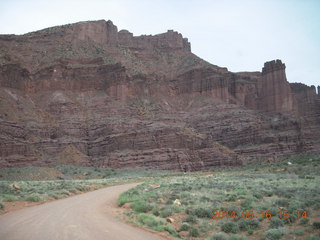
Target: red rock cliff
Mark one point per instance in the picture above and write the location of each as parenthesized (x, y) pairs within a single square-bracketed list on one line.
[(274, 91), (87, 94)]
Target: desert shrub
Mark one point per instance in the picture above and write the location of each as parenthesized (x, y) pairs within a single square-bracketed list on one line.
[(304, 221), (205, 199), (276, 222), (176, 209), (141, 206), (247, 224), (230, 227), (273, 234), (156, 223), (298, 232), (258, 195), (127, 197), (82, 188), (231, 197), (184, 227), (155, 212), (246, 204), (316, 225), (33, 198), (241, 192), (172, 232), (231, 209), (1, 205), (293, 217), (194, 232), (191, 219), (9, 198), (250, 231), (274, 211), (150, 220), (236, 237), (219, 236), (166, 212), (268, 193), (72, 190), (313, 238), (6, 188), (311, 202), (151, 195), (64, 192), (200, 212), (282, 202)]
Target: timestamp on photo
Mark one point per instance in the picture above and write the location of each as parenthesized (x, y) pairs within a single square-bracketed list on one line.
[(282, 214)]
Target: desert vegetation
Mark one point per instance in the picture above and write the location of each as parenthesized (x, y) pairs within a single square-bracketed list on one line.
[(40, 184), (271, 201), (266, 201)]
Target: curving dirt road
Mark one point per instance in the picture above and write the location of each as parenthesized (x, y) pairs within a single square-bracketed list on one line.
[(86, 216)]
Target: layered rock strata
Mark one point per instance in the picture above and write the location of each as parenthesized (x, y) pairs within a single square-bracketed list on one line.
[(88, 94)]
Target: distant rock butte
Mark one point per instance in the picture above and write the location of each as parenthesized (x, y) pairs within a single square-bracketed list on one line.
[(88, 94)]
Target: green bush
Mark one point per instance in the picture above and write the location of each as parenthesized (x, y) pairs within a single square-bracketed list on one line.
[(126, 198), (230, 227), (141, 206), (246, 204), (155, 212), (258, 195), (172, 232), (219, 236), (166, 213), (150, 220), (34, 198), (273, 234), (184, 227), (156, 223), (282, 202), (298, 232), (191, 219), (313, 238), (1, 205), (194, 232), (231, 209), (276, 222), (236, 237), (293, 217), (200, 212), (231, 197), (6, 188), (83, 188), (9, 198), (247, 224), (304, 221)]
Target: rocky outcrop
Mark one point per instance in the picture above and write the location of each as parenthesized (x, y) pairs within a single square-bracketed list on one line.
[(168, 41), (106, 33), (88, 94), (274, 91)]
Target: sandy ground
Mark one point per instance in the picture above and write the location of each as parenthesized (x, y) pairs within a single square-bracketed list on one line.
[(86, 216)]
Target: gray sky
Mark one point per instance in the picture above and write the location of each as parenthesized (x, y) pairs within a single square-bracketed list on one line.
[(238, 34)]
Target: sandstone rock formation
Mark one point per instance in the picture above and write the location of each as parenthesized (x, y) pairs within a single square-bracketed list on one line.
[(89, 94), (274, 90)]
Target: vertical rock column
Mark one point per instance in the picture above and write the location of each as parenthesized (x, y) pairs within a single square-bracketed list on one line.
[(274, 91)]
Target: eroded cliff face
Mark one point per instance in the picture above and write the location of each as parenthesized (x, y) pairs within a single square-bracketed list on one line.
[(273, 89), (87, 94)]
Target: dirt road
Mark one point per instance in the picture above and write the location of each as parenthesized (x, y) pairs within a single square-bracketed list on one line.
[(87, 216)]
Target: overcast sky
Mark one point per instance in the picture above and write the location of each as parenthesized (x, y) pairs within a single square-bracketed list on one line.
[(238, 34)]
